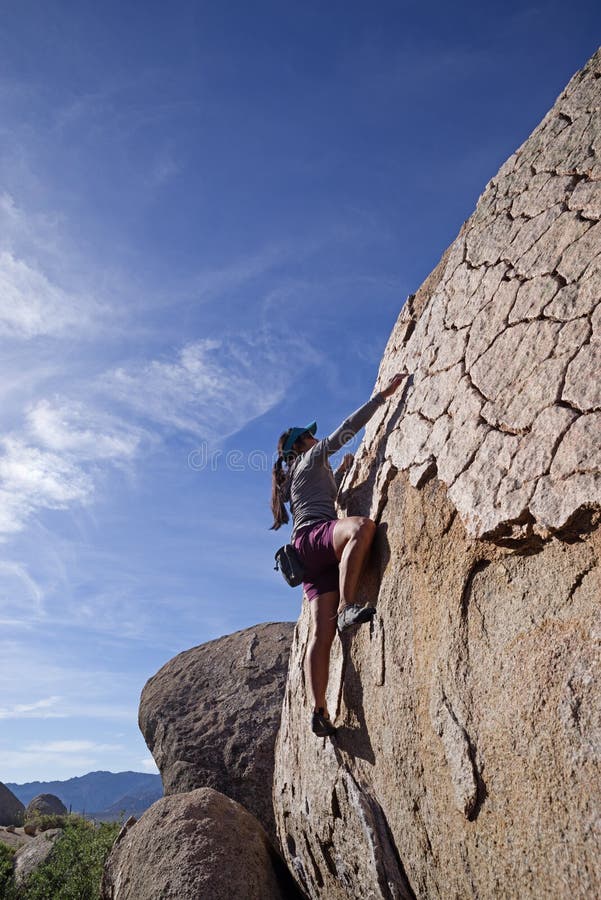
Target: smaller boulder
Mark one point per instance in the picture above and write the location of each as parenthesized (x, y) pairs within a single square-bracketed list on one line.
[(210, 716), (196, 846), (14, 838), (33, 854), (45, 805)]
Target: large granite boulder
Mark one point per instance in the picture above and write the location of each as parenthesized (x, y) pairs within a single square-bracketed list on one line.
[(210, 716), (196, 846), (11, 808), (467, 761), (45, 805)]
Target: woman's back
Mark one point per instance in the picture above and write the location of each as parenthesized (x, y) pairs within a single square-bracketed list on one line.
[(313, 491)]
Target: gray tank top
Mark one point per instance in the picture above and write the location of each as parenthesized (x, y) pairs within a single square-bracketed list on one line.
[(312, 487)]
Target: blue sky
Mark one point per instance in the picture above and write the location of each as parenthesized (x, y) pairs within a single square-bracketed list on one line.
[(210, 216)]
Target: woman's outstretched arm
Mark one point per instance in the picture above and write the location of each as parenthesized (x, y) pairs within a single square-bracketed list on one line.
[(353, 423)]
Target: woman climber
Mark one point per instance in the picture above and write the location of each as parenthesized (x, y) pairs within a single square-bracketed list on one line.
[(332, 550)]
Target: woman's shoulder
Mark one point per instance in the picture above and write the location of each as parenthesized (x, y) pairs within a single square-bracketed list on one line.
[(307, 468)]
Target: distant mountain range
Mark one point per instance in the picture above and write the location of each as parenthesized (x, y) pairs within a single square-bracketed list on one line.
[(98, 795)]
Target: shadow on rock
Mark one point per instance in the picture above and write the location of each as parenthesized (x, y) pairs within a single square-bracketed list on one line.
[(353, 739)]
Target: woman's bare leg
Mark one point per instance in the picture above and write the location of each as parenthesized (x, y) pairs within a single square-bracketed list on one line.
[(323, 616), (352, 539)]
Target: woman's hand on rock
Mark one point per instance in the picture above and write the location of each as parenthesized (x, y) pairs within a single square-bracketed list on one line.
[(396, 381)]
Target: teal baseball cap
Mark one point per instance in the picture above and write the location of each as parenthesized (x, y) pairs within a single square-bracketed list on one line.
[(295, 433)]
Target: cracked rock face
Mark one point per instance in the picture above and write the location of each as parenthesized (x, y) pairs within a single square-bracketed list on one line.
[(468, 754), (506, 350), (211, 714)]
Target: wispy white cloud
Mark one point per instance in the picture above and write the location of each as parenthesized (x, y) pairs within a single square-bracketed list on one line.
[(272, 258), (55, 456), (61, 759), (14, 511), (95, 710), (39, 477), (45, 280), (32, 765), (52, 462), (33, 479), (209, 283), (73, 691), (31, 305), (213, 387), (38, 709), (66, 425), (28, 593), (70, 746), (33, 234), (22, 377)]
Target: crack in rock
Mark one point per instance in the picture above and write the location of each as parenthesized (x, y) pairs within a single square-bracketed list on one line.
[(504, 349), (459, 754)]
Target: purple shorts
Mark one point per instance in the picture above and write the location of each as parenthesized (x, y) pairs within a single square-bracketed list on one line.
[(315, 546)]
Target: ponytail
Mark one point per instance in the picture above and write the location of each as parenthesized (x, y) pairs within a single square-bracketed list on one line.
[(279, 483)]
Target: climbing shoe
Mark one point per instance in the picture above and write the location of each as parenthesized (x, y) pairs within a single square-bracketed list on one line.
[(355, 615), (320, 724)]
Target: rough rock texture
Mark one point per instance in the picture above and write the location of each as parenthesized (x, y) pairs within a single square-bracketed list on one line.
[(210, 716), (45, 805), (33, 854), (506, 343), (11, 808), (469, 745), (196, 846), (13, 837)]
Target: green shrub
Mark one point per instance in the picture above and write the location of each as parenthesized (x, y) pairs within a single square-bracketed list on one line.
[(44, 822), (73, 870), (6, 869)]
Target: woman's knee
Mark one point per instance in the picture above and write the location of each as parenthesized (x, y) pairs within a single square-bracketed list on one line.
[(362, 523), (366, 528), (351, 528)]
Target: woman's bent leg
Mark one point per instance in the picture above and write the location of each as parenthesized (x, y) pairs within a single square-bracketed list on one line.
[(323, 616), (352, 539)]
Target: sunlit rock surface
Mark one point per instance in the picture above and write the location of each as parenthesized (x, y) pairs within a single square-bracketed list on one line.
[(468, 752), (506, 344)]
